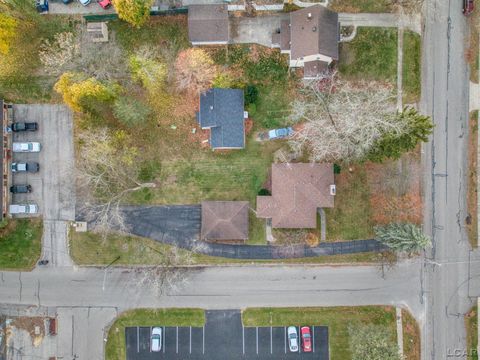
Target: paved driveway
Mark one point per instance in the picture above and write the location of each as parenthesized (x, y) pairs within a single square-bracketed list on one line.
[(54, 185), (222, 337), (258, 29)]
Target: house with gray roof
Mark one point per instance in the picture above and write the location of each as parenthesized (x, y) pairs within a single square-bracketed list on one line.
[(208, 24), (310, 36), (222, 112)]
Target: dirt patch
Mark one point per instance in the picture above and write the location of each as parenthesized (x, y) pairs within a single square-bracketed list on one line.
[(395, 190), (471, 220), (35, 326)]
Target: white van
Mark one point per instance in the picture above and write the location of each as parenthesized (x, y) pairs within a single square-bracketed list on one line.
[(23, 209)]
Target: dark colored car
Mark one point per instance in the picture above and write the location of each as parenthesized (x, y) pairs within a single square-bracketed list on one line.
[(24, 126), (21, 167), (67, 1), (467, 7), (306, 337), (105, 3), (42, 6), (20, 189)]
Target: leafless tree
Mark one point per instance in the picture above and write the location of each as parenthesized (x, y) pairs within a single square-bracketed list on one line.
[(341, 120), (171, 273), (107, 171)]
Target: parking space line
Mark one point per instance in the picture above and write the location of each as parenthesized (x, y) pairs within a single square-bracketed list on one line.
[(271, 341), (243, 339), (313, 338), (299, 340), (285, 338), (164, 339), (138, 339), (177, 339), (190, 339), (257, 338), (203, 334)]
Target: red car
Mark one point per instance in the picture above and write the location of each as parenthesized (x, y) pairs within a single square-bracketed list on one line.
[(306, 337), (467, 7), (105, 3)]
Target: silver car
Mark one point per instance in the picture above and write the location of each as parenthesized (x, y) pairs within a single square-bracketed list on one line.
[(26, 147), (84, 2), (156, 339), (292, 338), (23, 209)]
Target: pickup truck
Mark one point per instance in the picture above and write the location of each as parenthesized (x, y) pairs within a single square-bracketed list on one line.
[(21, 167), (24, 126), (26, 147), (20, 189)]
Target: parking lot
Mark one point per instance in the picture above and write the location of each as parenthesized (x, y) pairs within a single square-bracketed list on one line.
[(53, 187), (223, 337)]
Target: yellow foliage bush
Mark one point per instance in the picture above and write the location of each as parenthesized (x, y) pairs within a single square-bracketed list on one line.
[(8, 30), (76, 90), (135, 12)]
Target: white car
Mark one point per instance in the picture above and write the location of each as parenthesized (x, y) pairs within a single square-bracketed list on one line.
[(292, 338), (26, 147), (84, 2), (156, 339), (23, 209)]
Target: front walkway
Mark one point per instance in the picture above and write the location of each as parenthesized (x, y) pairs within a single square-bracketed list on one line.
[(381, 20), (180, 226)]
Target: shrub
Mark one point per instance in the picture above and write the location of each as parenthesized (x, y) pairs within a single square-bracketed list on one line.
[(135, 12), (130, 112), (264, 192), (337, 169), (251, 95)]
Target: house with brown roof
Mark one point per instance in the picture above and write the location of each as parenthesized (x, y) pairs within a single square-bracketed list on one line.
[(208, 24), (298, 190), (310, 36), (224, 220)]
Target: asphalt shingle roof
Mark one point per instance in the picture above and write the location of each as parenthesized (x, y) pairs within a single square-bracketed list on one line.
[(225, 220), (222, 111), (208, 23)]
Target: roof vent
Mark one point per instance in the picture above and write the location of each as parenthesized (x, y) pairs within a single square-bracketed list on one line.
[(314, 28), (309, 16)]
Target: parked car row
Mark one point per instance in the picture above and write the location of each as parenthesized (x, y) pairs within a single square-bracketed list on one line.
[(17, 167), (305, 338)]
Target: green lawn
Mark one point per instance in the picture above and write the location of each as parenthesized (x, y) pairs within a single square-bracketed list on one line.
[(257, 230), (89, 249), (411, 67), (367, 6), (337, 319), (20, 244), (371, 55), (115, 347), (471, 324), (350, 218)]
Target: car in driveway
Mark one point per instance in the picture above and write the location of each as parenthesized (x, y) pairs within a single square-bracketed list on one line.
[(105, 4), (306, 338), (468, 7), (26, 147), (20, 189), (84, 2), (280, 133), (24, 126), (292, 338), (156, 339), (29, 167), (41, 6), (23, 209)]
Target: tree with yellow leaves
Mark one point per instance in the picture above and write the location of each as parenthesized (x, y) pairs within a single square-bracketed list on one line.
[(8, 31), (81, 93), (195, 70), (135, 12)]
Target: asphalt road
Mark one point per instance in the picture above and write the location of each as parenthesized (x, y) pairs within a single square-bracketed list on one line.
[(449, 287)]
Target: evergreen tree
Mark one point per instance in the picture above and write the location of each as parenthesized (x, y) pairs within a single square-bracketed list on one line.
[(402, 237), (417, 128)]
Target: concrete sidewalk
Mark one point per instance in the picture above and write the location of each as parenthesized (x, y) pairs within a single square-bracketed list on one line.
[(412, 23)]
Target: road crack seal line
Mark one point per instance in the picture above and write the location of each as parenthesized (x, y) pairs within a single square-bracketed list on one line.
[(21, 286)]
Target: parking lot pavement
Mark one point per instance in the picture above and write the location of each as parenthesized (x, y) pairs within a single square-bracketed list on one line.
[(53, 187), (222, 337)]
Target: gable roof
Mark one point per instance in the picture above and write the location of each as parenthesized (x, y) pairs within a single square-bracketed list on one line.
[(225, 220), (221, 111), (314, 30), (312, 69), (297, 191), (208, 23)]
